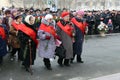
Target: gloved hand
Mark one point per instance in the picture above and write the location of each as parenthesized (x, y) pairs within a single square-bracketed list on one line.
[(48, 37), (57, 37)]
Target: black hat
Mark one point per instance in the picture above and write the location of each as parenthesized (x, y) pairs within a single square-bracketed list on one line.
[(18, 16)]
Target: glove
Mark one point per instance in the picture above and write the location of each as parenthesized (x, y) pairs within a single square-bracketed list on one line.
[(48, 37), (57, 37)]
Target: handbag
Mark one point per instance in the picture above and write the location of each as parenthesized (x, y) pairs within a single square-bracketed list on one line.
[(60, 51)]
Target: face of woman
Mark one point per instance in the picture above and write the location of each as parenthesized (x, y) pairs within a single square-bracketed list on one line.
[(32, 20), (67, 18), (50, 20), (15, 13), (19, 20)]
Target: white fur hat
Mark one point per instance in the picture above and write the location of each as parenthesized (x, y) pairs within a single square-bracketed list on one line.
[(27, 18), (48, 16)]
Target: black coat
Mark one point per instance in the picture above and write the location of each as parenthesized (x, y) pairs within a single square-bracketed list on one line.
[(25, 48), (79, 38)]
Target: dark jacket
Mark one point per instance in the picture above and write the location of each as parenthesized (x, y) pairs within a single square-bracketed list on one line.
[(25, 47)]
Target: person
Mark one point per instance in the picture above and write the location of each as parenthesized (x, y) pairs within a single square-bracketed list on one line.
[(47, 36), (66, 32), (80, 27), (14, 37), (7, 21), (3, 46), (28, 42), (110, 26), (91, 22)]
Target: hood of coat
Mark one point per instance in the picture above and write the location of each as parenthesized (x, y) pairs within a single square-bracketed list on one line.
[(44, 21)]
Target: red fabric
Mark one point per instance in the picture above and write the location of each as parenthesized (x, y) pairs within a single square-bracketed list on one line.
[(48, 37), (80, 25), (67, 29), (31, 33), (64, 14), (15, 25), (48, 29), (2, 33)]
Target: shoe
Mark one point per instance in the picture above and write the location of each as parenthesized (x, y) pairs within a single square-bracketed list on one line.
[(60, 64), (80, 61), (71, 61), (49, 68), (67, 65)]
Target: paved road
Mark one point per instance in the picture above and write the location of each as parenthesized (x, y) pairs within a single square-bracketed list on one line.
[(101, 56)]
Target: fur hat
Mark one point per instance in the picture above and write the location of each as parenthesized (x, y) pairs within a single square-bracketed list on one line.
[(48, 16)]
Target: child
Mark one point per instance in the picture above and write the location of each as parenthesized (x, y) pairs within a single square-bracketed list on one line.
[(110, 26)]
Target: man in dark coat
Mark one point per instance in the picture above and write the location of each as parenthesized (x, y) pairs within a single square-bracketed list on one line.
[(91, 21)]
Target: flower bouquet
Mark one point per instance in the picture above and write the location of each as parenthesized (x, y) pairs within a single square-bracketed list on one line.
[(102, 28)]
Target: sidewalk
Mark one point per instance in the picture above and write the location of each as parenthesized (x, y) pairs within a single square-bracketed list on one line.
[(109, 77)]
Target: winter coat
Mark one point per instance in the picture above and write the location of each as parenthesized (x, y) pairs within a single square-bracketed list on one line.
[(3, 46), (26, 47), (66, 41), (46, 48), (79, 38), (14, 41)]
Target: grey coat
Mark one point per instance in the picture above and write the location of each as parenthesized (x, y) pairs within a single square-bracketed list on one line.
[(67, 43), (46, 48)]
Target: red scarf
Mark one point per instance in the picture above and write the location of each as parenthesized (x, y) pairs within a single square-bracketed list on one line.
[(48, 29), (80, 25), (15, 25), (67, 29), (28, 31), (2, 33)]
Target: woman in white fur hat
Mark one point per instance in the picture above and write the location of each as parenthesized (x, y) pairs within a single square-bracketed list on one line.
[(27, 36)]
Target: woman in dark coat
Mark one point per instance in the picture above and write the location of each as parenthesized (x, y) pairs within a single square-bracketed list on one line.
[(80, 28), (27, 36), (3, 47)]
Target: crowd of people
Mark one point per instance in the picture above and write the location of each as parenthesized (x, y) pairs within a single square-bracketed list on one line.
[(59, 33)]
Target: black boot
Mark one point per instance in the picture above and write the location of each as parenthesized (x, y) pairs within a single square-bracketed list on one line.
[(66, 62), (47, 63), (71, 61), (1, 59), (79, 59), (60, 62)]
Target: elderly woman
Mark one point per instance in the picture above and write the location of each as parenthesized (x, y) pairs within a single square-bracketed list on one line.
[(15, 43), (66, 32), (27, 36), (81, 29), (47, 36)]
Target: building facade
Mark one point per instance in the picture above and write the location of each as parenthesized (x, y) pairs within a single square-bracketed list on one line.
[(70, 4)]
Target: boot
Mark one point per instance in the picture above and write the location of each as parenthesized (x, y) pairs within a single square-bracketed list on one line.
[(1, 59), (47, 63), (79, 59), (71, 61), (66, 62), (60, 62)]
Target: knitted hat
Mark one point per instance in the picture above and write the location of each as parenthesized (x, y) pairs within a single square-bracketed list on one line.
[(13, 10), (64, 14), (80, 12)]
